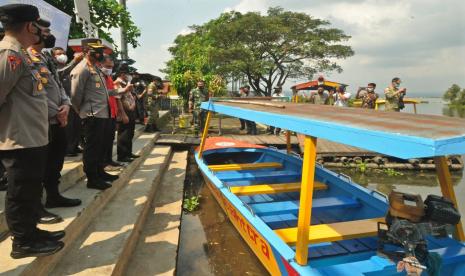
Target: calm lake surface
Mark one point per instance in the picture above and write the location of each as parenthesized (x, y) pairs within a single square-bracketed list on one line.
[(211, 246)]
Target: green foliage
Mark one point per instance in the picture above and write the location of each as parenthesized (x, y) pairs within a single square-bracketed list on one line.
[(105, 14), (392, 172), (190, 204), (362, 167), (266, 50), (455, 95)]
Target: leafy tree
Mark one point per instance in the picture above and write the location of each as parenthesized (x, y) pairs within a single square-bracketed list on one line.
[(105, 14), (454, 95), (265, 49), (191, 63)]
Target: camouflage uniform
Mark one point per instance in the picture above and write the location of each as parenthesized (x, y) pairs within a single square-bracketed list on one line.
[(322, 99), (369, 100), (152, 104), (196, 97), (392, 100)]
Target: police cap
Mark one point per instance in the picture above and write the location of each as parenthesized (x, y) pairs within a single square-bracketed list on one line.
[(43, 23), (18, 13), (94, 43)]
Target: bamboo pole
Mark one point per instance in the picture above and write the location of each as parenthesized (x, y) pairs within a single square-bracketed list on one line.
[(288, 141), (306, 197), (205, 133)]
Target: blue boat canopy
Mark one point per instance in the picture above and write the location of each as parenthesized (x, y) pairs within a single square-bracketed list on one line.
[(401, 135)]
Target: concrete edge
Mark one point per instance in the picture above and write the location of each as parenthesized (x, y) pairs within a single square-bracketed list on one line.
[(44, 265), (131, 242)]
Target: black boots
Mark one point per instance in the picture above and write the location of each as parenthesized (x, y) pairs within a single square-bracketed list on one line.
[(43, 243), (45, 217), (61, 201), (98, 184)]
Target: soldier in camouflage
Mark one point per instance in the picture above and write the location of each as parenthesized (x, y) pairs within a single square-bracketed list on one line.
[(152, 103), (196, 97), (394, 96)]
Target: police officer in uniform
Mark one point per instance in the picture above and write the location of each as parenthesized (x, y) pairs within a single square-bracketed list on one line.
[(196, 97), (152, 102), (90, 99), (58, 109), (23, 132)]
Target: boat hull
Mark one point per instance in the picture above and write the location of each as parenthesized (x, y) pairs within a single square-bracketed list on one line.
[(277, 256)]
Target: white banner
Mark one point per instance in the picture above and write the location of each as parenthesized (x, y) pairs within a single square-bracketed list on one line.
[(60, 21)]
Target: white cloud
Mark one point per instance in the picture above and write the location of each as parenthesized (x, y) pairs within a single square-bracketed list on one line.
[(250, 6)]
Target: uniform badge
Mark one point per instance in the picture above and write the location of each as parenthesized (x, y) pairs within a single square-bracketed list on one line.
[(14, 62), (44, 80), (40, 86), (44, 70), (98, 85)]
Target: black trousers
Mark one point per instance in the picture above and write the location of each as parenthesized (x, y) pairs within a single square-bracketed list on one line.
[(110, 137), (125, 136), (94, 149), (251, 127), (73, 131), (55, 159), (242, 123), (25, 168)]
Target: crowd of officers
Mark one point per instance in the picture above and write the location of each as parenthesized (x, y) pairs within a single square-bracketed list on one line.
[(47, 106)]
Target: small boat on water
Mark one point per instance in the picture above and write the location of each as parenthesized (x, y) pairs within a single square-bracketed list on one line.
[(300, 218)]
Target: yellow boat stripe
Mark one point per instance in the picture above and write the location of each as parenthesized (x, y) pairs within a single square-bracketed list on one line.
[(334, 231), (273, 188), (245, 166)]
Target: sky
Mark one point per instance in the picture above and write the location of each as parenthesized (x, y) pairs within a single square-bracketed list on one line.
[(420, 41)]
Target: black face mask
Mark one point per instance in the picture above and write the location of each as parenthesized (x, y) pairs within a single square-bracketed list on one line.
[(49, 41)]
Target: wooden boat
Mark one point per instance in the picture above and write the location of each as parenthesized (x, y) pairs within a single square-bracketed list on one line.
[(302, 219)]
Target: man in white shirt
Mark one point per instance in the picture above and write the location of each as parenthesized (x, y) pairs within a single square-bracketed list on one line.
[(341, 97)]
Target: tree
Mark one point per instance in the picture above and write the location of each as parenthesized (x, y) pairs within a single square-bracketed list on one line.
[(191, 63), (105, 14), (453, 94), (266, 49)]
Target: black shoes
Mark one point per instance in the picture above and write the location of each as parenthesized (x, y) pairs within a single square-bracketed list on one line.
[(45, 217), (108, 177), (61, 201), (71, 154), (114, 164), (50, 235), (125, 160), (35, 248), (98, 184)]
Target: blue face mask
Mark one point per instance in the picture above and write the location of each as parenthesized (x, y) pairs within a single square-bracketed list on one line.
[(397, 85)]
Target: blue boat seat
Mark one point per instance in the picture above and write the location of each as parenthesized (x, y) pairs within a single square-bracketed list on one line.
[(262, 176), (319, 204)]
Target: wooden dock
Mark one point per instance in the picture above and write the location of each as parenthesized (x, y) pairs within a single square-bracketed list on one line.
[(325, 147)]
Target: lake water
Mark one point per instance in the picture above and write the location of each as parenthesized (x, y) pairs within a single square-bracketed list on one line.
[(210, 245)]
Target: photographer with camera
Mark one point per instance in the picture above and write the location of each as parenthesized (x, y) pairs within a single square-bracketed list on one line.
[(395, 96), (341, 97), (368, 96)]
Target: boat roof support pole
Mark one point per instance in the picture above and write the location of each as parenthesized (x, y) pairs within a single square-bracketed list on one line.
[(306, 197), (205, 133), (447, 189), (288, 141)]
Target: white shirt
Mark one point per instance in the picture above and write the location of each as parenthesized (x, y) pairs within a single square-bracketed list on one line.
[(341, 102)]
